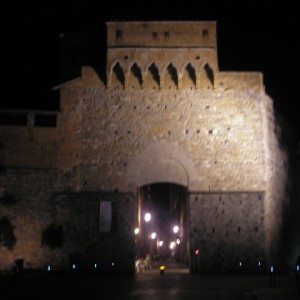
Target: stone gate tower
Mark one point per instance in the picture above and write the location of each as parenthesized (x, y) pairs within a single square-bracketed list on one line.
[(163, 113)]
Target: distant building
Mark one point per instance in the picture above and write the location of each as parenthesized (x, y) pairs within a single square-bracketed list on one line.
[(164, 113)]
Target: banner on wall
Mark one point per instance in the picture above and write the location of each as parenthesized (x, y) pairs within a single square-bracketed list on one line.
[(105, 218)]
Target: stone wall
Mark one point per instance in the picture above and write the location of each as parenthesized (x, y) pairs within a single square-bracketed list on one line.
[(85, 244), (28, 207), (227, 229), (219, 132), (164, 113), (40, 201)]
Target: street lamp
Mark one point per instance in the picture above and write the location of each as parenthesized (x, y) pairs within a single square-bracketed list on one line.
[(175, 229), (153, 235), (136, 231), (147, 217)]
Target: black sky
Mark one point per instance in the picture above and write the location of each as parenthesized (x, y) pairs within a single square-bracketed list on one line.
[(252, 36)]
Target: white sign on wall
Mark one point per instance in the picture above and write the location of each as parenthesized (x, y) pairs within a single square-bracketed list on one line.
[(105, 216)]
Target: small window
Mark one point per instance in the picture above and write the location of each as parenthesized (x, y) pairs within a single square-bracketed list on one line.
[(167, 34), (43, 120), (154, 35), (13, 119), (205, 33), (119, 34)]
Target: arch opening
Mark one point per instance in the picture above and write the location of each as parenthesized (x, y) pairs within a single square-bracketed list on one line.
[(153, 78), (171, 77), (189, 77), (136, 79), (163, 235), (118, 78)]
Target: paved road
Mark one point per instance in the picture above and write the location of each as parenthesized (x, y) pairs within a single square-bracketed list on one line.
[(175, 284)]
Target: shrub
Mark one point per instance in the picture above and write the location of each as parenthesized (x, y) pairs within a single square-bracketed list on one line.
[(7, 237), (53, 237)]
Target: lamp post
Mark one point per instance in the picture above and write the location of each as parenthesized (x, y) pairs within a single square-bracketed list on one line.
[(147, 218)]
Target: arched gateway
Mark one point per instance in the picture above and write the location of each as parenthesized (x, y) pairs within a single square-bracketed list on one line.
[(164, 114), (159, 162)]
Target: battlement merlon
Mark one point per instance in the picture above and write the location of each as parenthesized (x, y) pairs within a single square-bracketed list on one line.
[(162, 34)]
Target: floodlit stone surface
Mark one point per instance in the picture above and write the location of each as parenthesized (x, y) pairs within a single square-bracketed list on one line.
[(164, 113)]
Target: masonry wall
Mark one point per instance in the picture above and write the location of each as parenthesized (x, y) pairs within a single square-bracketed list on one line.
[(228, 230), (26, 202), (164, 113), (219, 131), (41, 201)]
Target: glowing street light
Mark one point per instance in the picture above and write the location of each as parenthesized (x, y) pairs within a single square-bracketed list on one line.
[(147, 217), (136, 231), (175, 229), (160, 243), (153, 235), (172, 245)]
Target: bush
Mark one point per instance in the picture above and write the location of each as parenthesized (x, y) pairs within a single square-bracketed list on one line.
[(53, 237), (7, 237)]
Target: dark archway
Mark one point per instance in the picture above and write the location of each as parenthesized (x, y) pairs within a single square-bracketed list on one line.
[(167, 205)]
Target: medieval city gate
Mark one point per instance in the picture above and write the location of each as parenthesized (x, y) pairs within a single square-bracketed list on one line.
[(219, 234), (162, 112)]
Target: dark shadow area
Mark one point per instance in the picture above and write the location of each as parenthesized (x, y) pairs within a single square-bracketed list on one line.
[(209, 73), (137, 73), (192, 73), (118, 71), (154, 73), (173, 73)]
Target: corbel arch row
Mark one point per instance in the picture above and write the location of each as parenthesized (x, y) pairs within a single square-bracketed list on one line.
[(169, 75)]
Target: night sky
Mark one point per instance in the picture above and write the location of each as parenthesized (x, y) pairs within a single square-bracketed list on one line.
[(252, 36)]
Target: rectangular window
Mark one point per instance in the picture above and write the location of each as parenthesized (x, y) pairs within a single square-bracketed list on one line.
[(119, 34), (205, 33), (44, 120), (13, 119)]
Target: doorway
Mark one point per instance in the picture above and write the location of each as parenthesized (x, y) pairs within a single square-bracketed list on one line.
[(162, 223)]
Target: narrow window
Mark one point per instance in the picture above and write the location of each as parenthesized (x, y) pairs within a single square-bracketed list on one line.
[(154, 35), (205, 33), (119, 34)]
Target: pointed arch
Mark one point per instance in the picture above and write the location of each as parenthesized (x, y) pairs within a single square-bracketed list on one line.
[(135, 79), (209, 73), (153, 78), (171, 77), (188, 79), (117, 75)]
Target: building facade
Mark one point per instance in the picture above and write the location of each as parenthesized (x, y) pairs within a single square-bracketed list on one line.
[(164, 112)]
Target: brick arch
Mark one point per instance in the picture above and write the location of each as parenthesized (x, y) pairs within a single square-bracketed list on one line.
[(171, 75), (111, 73), (209, 72), (114, 64), (153, 75), (135, 75), (189, 75), (160, 162)]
